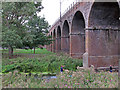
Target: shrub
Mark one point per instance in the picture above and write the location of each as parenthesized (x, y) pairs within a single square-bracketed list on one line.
[(49, 63)]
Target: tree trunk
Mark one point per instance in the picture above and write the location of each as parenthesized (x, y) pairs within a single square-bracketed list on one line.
[(34, 50), (10, 52)]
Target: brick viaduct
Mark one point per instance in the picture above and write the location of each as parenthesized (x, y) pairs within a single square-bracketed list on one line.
[(89, 30)]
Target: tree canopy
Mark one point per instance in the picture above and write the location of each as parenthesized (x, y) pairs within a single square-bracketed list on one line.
[(21, 26)]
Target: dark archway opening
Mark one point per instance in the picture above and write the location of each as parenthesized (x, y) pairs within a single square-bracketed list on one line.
[(51, 44), (54, 42), (65, 37), (104, 15), (77, 35), (58, 38)]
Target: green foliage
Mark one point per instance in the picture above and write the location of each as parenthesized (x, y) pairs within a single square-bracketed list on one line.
[(11, 38), (50, 63), (21, 26), (14, 16), (38, 28)]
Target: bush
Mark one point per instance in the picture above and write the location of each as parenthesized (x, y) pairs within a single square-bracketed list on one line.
[(49, 63)]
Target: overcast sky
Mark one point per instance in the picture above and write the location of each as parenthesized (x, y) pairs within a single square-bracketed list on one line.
[(51, 9)]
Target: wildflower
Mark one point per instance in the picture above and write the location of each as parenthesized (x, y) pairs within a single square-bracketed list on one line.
[(66, 85), (66, 70), (15, 72), (10, 72), (55, 85), (87, 80)]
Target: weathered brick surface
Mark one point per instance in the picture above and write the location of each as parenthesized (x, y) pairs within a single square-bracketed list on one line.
[(65, 44), (103, 47), (77, 48), (58, 44), (102, 61)]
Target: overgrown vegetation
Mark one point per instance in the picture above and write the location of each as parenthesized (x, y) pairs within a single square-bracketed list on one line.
[(49, 63), (28, 72), (80, 79), (83, 79)]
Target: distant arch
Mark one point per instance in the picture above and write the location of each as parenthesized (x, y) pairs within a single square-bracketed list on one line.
[(51, 44), (58, 38), (65, 30), (54, 42)]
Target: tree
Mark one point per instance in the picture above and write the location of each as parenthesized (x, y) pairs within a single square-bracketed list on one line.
[(15, 15), (38, 27)]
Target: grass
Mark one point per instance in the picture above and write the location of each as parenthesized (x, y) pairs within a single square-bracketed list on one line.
[(26, 53), (37, 51), (29, 51)]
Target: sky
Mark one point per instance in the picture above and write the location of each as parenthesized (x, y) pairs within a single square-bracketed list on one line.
[(51, 9)]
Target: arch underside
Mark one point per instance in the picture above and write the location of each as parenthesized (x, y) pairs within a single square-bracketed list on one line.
[(104, 15), (65, 38), (58, 47), (77, 48), (104, 39), (54, 42), (51, 44)]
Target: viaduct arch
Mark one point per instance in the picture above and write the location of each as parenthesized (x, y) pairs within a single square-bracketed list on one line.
[(89, 30), (65, 46), (50, 45), (54, 40), (77, 35), (58, 39)]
